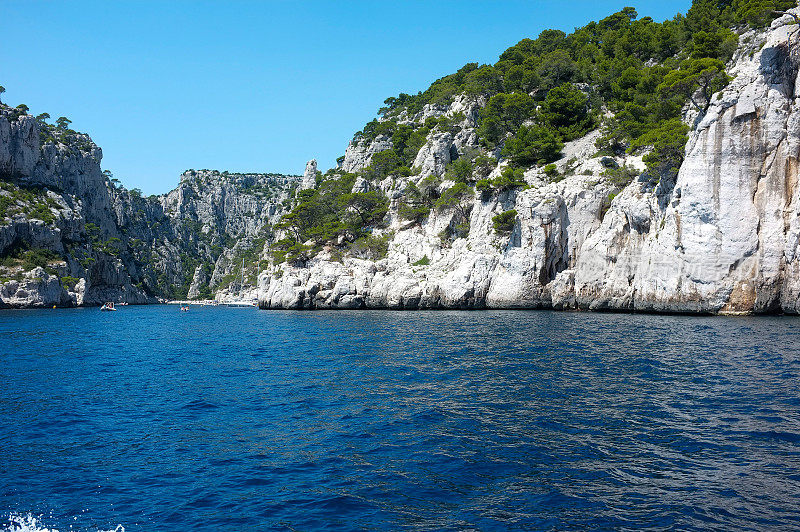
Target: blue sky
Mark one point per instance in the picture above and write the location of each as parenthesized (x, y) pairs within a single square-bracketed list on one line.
[(250, 86)]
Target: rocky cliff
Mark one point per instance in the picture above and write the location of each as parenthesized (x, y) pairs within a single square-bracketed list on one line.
[(721, 236), (70, 236), (464, 196)]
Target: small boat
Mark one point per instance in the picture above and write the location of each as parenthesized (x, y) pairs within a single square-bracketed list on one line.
[(107, 307), (241, 303), (185, 309)]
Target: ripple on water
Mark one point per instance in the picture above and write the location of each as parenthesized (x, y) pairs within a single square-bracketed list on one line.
[(385, 420)]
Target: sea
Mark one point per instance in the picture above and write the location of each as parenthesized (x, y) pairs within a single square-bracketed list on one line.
[(149, 418)]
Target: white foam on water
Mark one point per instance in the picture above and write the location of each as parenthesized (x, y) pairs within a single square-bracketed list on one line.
[(32, 523)]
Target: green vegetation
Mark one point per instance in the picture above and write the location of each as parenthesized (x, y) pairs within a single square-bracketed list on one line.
[(668, 142), (759, 13), (545, 91), (533, 145), (370, 247), (509, 178), (38, 258), (551, 171), (329, 214), (20, 256), (406, 143), (417, 201), (33, 202), (454, 196), (504, 222), (461, 170), (503, 113), (620, 177), (632, 77), (109, 247), (58, 133), (424, 261), (696, 80), (69, 282)]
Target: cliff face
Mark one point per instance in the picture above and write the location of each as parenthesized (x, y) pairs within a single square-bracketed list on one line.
[(722, 237), (58, 234), (593, 232), (210, 222), (69, 236), (725, 237)]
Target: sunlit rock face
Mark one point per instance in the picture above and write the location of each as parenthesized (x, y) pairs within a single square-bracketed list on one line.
[(101, 242), (310, 175), (722, 237), (725, 237)]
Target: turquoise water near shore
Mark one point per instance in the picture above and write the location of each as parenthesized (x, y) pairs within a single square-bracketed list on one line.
[(224, 418)]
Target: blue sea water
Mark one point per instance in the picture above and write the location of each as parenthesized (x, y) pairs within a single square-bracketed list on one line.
[(238, 419)]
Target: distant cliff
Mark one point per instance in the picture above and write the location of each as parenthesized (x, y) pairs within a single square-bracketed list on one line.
[(70, 236)]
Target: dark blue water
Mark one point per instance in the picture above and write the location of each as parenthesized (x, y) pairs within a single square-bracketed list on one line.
[(240, 419)]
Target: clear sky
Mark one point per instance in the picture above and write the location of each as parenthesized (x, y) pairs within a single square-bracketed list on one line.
[(251, 86)]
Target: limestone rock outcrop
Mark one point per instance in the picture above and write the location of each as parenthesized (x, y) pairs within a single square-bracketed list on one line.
[(99, 242), (37, 289), (359, 154), (721, 237), (310, 175)]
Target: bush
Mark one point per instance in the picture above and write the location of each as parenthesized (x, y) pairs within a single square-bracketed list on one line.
[(370, 247), (483, 185), (69, 282), (424, 261), (418, 200), (622, 176), (509, 178), (759, 13), (483, 165), (504, 113), (453, 196), (566, 110), (459, 170), (381, 165), (668, 143), (533, 145), (504, 222), (40, 258)]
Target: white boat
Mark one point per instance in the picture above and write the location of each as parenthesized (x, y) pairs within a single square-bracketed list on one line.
[(241, 303), (108, 307)]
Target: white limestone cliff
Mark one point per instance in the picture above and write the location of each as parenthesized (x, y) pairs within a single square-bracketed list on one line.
[(111, 244), (310, 175), (724, 237)]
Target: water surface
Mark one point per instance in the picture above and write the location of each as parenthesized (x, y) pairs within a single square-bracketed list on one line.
[(257, 420)]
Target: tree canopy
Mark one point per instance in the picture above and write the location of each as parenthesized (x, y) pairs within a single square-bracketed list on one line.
[(642, 71)]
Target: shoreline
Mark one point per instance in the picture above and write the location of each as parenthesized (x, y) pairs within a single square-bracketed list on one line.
[(727, 314)]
